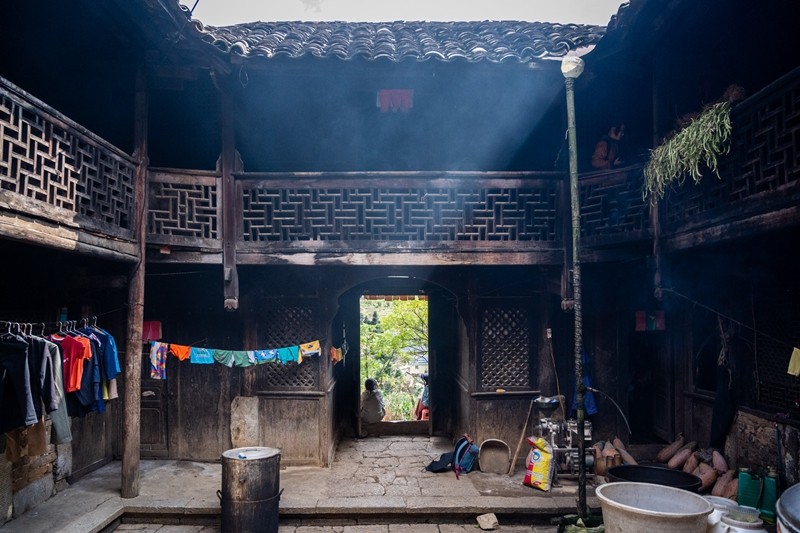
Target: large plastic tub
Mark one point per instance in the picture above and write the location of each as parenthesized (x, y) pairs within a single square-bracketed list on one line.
[(655, 474), (638, 507)]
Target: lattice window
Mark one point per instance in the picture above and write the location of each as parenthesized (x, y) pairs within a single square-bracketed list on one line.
[(289, 376), (777, 314), (407, 214), (286, 325), (45, 161), (505, 348), (183, 209)]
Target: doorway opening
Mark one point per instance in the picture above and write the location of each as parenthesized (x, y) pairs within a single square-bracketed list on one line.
[(649, 390), (395, 348)]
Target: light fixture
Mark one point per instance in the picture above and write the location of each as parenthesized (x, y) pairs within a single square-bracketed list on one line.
[(571, 67)]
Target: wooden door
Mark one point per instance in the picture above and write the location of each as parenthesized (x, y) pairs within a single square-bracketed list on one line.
[(154, 427), (663, 425)]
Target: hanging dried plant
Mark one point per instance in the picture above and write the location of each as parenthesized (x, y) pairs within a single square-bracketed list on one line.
[(699, 140), (697, 145)]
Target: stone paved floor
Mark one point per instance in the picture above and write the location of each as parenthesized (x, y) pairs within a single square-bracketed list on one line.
[(383, 528), (381, 472), (375, 485)]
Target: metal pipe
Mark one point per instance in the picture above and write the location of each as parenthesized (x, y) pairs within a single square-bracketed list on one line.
[(571, 68)]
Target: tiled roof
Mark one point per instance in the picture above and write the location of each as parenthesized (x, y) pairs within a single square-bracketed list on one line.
[(493, 41)]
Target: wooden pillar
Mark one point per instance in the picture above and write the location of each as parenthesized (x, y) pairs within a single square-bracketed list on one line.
[(133, 353), (229, 205)]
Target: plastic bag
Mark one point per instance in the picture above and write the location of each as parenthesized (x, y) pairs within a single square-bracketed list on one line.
[(539, 466)]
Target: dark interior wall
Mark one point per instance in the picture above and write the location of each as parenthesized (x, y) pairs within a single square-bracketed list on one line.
[(187, 300), (37, 286), (46, 46), (185, 122), (315, 115), (750, 286), (748, 402)]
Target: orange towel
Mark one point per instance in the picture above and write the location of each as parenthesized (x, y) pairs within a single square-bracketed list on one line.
[(179, 351)]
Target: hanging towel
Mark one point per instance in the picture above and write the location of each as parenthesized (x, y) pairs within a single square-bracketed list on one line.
[(310, 349), (201, 356), (180, 351), (158, 360), (288, 354), (266, 356), (223, 357), (231, 358), (794, 363), (336, 355), (151, 330)]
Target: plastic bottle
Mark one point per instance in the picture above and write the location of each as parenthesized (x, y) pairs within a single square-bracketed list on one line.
[(769, 496)]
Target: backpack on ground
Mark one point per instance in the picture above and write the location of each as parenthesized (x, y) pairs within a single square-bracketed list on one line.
[(460, 460), (464, 455)]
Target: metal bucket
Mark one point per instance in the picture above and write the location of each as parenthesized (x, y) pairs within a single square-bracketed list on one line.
[(637, 507), (250, 490), (788, 508)]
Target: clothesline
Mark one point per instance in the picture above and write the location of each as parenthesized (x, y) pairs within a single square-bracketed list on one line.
[(233, 358), (728, 317)]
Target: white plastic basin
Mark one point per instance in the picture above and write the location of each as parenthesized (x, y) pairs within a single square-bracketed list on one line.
[(638, 507)]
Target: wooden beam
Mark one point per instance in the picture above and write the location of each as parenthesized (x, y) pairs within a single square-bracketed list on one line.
[(131, 419), (423, 258), (42, 233)]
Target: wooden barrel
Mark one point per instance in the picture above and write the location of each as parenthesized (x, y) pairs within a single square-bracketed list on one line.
[(250, 490)]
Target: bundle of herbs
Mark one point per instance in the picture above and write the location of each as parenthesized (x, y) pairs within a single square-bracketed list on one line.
[(694, 148)]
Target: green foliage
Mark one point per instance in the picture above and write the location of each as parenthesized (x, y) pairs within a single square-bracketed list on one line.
[(393, 334), (696, 145)]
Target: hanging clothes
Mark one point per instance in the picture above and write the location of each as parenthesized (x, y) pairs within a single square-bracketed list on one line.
[(16, 401), (62, 430), (589, 402), (158, 360)]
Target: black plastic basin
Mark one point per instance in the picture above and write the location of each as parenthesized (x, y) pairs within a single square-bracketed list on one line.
[(656, 475)]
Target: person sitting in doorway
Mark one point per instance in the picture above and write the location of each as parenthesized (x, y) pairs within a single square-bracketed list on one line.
[(372, 407), (606, 152), (422, 412)]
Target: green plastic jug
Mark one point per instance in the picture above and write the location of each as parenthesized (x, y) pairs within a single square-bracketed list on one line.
[(749, 488), (769, 495)]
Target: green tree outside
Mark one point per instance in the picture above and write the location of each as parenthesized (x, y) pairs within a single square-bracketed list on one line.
[(394, 333)]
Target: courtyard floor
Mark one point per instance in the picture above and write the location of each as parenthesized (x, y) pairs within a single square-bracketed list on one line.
[(375, 485)]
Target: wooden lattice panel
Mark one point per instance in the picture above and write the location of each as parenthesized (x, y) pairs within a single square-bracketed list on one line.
[(183, 209), (762, 170), (46, 161), (504, 348), (280, 326), (274, 376), (778, 314), (612, 204), (408, 214)]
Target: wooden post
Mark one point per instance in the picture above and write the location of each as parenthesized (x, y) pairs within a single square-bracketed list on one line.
[(133, 354), (229, 205)]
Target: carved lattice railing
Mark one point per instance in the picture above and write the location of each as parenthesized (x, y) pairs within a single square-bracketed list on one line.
[(183, 208), (417, 212), (760, 175), (612, 207), (51, 168), (388, 211)]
